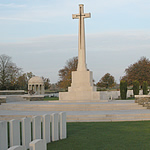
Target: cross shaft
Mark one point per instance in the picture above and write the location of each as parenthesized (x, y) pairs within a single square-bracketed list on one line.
[(81, 38)]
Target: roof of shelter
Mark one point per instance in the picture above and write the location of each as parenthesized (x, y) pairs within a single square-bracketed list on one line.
[(36, 79)]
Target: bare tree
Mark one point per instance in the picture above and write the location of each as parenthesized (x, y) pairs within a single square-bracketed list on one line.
[(9, 73)]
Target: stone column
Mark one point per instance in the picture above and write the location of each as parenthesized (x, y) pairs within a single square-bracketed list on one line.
[(35, 88), (42, 89), (39, 91), (28, 88), (32, 87)]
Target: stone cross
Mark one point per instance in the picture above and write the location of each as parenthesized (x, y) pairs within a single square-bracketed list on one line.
[(81, 38)]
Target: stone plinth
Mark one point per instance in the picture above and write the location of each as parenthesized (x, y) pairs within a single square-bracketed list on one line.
[(81, 87)]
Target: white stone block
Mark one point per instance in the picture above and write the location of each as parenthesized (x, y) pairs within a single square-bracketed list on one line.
[(82, 87), (38, 145), (55, 131), (14, 128), (3, 135), (26, 132), (17, 148), (36, 126), (46, 128), (63, 129)]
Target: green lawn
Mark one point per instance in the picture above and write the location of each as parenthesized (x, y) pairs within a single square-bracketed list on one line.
[(105, 136), (51, 98)]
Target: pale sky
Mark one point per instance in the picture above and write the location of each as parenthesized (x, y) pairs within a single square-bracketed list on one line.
[(40, 35)]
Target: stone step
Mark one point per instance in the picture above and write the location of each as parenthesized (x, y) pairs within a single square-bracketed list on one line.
[(91, 118), (70, 107), (82, 101), (106, 117), (81, 105), (82, 111), (67, 109)]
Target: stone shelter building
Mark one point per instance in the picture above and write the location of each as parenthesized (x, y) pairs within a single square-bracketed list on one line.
[(36, 86)]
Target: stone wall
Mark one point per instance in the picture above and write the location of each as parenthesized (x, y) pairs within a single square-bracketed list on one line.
[(143, 100), (2, 100), (106, 95), (34, 97), (12, 92)]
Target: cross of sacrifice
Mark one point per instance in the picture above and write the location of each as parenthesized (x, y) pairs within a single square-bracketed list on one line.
[(81, 38)]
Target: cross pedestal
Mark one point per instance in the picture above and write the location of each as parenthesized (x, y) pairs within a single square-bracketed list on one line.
[(82, 80), (81, 87)]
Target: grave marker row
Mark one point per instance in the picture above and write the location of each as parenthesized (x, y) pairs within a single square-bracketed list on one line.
[(53, 128), (34, 145)]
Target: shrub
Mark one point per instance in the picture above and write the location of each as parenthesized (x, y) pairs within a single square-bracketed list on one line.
[(136, 87), (123, 89), (145, 87)]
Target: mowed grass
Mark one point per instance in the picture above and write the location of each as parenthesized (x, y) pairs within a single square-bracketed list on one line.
[(105, 136), (51, 98)]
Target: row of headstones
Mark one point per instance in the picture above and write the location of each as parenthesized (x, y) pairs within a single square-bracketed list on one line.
[(34, 145), (48, 127)]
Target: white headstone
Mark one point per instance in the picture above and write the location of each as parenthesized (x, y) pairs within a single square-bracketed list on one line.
[(38, 145), (55, 132), (26, 131), (63, 131), (14, 129), (46, 128), (3, 135), (36, 126), (17, 148)]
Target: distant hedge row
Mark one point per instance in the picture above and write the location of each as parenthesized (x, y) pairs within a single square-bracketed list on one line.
[(123, 88)]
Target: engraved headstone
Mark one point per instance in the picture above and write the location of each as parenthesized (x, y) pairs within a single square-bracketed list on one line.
[(36, 125), (3, 135), (63, 131), (26, 131), (46, 128), (14, 127), (17, 148), (55, 132), (38, 145)]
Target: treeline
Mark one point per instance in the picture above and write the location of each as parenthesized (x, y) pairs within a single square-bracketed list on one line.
[(139, 71), (13, 78), (137, 76), (136, 88)]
